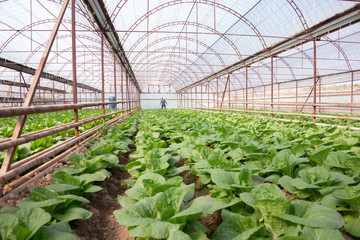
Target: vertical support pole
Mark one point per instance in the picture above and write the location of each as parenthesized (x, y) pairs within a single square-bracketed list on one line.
[(31, 93), (115, 90), (196, 95), (296, 95), (208, 92), (246, 90), (352, 92), (264, 97), (191, 98), (201, 96), (64, 94), (217, 94), (122, 88), (320, 94), (73, 50), (20, 87), (223, 96), (314, 91), (253, 98), (272, 86), (102, 76), (229, 93), (127, 92), (53, 92)]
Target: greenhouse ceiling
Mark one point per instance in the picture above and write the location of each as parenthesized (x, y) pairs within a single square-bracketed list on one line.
[(177, 42)]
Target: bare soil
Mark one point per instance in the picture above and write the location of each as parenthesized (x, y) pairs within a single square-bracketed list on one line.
[(103, 224)]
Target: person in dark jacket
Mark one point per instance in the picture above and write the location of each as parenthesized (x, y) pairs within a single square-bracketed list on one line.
[(163, 103)]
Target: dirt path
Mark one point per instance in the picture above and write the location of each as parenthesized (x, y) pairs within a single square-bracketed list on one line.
[(102, 224)]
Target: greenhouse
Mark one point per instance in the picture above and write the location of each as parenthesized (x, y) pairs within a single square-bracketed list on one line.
[(180, 119)]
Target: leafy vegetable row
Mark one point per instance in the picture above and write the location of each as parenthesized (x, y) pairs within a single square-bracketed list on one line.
[(41, 121), (46, 215), (281, 180), (155, 203)]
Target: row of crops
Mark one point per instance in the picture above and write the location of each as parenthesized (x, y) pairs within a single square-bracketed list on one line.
[(46, 215), (198, 175), (42, 121), (327, 119), (259, 178)]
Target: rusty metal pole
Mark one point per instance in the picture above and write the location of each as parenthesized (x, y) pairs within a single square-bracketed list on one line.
[(352, 92), (208, 92), (102, 76), (296, 95), (191, 97), (320, 94), (201, 97), (246, 90), (127, 91), (272, 86), (253, 97), (115, 90), (196, 95), (223, 94), (31, 93), (122, 87), (217, 93), (314, 91), (73, 50), (229, 93), (20, 87)]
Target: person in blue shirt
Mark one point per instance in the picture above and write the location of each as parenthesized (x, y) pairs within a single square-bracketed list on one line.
[(163, 103)]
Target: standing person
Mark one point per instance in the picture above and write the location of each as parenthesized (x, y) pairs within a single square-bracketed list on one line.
[(163, 103)]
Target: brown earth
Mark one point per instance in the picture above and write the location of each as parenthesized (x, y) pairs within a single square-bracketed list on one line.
[(103, 224)]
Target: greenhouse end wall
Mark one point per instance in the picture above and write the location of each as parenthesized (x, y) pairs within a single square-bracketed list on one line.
[(152, 101)]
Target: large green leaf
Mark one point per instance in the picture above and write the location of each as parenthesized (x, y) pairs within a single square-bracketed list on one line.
[(313, 215), (33, 218), (319, 154), (57, 231), (236, 226), (73, 213), (321, 234)]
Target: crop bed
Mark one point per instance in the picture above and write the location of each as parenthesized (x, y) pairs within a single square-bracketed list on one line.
[(42, 121), (269, 180), (178, 174)]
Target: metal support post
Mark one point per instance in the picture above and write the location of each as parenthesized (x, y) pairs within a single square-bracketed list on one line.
[(102, 76), (31, 93), (208, 92), (352, 92), (223, 96), (217, 93), (229, 93), (115, 90), (246, 89), (272, 86), (73, 41), (314, 91)]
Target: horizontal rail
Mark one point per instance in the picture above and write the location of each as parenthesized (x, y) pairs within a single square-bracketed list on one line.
[(23, 182), (294, 114), (8, 143), (283, 120), (19, 111), (31, 161)]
